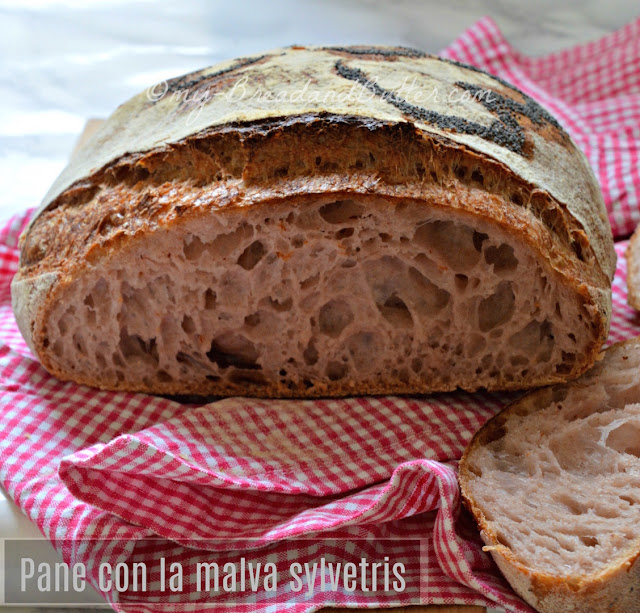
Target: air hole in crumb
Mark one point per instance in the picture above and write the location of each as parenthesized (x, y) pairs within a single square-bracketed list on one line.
[(230, 349), (209, 299), (341, 211), (193, 247), (498, 308), (361, 346), (578, 247), (589, 541), (564, 369), (502, 258), (336, 370), (310, 354), (334, 317), (252, 320), (243, 377), (344, 233), (503, 540), (478, 239), (79, 344), (135, 347), (396, 312), (450, 242), (461, 282), (625, 439), (572, 505), (460, 171), (477, 176), (281, 304), (309, 282), (250, 257), (188, 325)]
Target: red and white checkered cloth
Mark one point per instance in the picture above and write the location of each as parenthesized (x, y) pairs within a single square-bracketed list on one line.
[(133, 478), (594, 92)]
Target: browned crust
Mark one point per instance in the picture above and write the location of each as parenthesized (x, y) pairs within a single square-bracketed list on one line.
[(137, 197), (632, 255), (244, 159), (616, 588), (516, 222), (391, 153)]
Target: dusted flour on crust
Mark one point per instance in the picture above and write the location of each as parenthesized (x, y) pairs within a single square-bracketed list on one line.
[(303, 223)]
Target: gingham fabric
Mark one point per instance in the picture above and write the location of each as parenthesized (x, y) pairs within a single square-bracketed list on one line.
[(594, 92), (132, 478)]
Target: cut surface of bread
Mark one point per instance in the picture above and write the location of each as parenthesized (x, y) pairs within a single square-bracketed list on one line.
[(554, 483), (326, 245), (633, 270), (344, 292)]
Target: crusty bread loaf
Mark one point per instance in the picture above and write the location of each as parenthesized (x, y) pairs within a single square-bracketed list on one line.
[(632, 256), (554, 484), (386, 222)]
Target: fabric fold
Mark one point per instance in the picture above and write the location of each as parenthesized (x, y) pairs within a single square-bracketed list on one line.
[(592, 89), (200, 476)]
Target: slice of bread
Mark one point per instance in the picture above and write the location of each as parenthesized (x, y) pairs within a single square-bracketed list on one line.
[(633, 270), (554, 484)]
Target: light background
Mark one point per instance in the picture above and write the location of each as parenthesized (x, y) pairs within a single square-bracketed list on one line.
[(62, 62)]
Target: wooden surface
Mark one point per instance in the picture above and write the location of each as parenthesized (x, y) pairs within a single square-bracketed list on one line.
[(90, 127)]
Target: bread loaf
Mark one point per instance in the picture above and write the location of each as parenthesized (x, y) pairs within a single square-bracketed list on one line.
[(321, 222), (554, 484)]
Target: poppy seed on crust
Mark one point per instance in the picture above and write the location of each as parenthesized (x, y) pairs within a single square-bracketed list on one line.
[(504, 131), (385, 52), (533, 106), (184, 82)]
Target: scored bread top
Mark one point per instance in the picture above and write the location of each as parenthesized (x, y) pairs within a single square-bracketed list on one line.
[(457, 107)]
